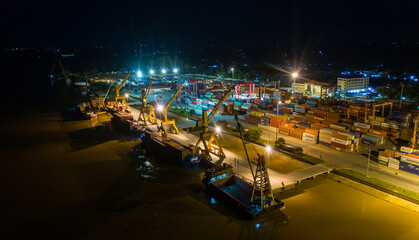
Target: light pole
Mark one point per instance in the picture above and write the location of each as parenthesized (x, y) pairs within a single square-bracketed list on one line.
[(268, 150), (160, 109), (277, 112), (294, 75), (368, 163), (232, 72), (401, 98)]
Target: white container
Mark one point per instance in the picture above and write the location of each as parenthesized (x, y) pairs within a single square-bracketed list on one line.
[(340, 141), (394, 166), (362, 125), (382, 158), (410, 159), (406, 149), (393, 161)]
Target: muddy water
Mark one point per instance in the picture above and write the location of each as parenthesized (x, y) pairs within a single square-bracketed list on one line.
[(79, 179)]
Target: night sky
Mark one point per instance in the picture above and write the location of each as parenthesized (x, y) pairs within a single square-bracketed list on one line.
[(91, 23)]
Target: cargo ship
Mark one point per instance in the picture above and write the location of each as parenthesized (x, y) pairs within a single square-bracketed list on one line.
[(171, 151)]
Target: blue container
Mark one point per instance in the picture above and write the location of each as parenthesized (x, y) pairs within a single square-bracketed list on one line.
[(356, 134), (305, 124), (264, 121), (325, 143), (369, 143), (409, 167)]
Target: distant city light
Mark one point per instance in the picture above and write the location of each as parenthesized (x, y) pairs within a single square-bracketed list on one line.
[(163, 71), (139, 74), (152, 72), (175, 70)]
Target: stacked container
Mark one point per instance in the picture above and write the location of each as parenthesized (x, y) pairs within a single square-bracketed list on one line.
[(341, 142), (410, 163), (325, 136), (309, 137)]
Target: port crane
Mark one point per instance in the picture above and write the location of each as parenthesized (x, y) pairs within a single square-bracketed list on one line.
[(170, 122), (122, 98), (151, 115), (262, 195), (207, 137)]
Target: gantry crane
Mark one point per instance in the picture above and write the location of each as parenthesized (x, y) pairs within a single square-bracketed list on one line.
[(151, 115), (122, 98), (170, 122), (374, 106), (207, 137)]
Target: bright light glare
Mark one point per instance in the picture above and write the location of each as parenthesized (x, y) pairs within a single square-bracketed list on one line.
[(160, 108), (268, 149), (232, 69), (280, 102), (294, 74), (126, 95), (139, 74), (175, 70), (218, 129), (163, 71), (151, 71)]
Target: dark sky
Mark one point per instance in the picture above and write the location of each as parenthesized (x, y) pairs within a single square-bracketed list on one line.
[(90, 23)]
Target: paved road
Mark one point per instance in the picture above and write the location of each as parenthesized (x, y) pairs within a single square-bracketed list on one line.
[(283, 170), (336, 159), (354, 161)]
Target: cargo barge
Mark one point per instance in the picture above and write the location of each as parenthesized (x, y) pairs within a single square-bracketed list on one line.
[(125, 123), (171, 151), (223, 184)]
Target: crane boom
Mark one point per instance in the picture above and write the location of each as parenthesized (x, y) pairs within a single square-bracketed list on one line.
[(118, 87), (171, 100), (217, 107), (239, 126), (62, 68)]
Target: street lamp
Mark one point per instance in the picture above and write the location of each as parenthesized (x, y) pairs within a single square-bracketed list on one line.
[(126, 95), (268, 149), (139, 74), (277, 112), (294, 75), (160, 109), (217, 130), (151, 72), (232, 71), (163, 71), (175, 70)]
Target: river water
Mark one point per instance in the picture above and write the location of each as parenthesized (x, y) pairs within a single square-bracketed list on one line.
[(64, 178)]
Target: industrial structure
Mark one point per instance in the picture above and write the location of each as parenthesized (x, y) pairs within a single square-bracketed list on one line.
[(144, 108), (165, 122), (208, 137)]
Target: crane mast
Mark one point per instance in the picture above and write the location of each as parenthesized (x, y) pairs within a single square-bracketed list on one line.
[(124, 104), (170, 122), (150, 109), (207, 137), (262, 195)]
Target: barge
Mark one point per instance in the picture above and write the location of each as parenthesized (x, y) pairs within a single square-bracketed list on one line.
[(171, 151)]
